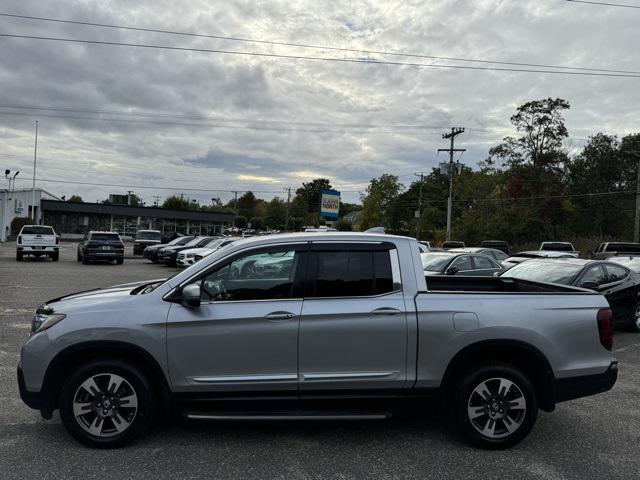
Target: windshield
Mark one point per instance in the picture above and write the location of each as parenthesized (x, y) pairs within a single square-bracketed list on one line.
[(544, 272), (557, 247), (433, 262), (624, 247), (37, 231), (109, 237), (148, 236)]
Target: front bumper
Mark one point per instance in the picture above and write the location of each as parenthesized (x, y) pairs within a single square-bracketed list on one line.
[(185, 261), (35, 400), (577, 387)]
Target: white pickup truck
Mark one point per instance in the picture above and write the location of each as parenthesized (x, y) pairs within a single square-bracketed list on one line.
[(37, 240)]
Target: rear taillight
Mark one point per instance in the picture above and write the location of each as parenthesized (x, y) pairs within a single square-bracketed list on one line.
[(605, 327), (19, 239)]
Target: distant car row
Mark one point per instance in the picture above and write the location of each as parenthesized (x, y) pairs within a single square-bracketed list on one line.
[(185, 251)]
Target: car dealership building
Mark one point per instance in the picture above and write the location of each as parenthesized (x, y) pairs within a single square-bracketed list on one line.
[(80, 217)]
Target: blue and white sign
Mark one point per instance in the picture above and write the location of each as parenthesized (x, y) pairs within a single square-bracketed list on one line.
[(329, 204)]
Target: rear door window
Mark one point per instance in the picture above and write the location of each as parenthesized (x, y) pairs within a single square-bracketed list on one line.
[(594, 274), (463, 263), (353, 273), (483, 263), (616, 273)]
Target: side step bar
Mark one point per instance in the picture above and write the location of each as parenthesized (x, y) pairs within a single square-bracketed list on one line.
[(288, 416)]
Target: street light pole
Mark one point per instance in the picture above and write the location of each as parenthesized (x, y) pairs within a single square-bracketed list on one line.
[(33, 192), (636, 228)]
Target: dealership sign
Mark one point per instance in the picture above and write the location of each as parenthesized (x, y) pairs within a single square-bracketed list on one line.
[(329, 203)]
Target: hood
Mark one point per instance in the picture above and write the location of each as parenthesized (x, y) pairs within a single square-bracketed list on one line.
[(198, 251), (96, 298)]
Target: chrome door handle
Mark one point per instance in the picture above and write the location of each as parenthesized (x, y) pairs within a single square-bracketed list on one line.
[(385, 311), (279, 316)]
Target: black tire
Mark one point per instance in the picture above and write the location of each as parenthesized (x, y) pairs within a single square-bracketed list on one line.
[(500, 411), (55, 256), (85, 261), (18, 257), (120, 261), (141, 418), (633, 322), (78, 256)]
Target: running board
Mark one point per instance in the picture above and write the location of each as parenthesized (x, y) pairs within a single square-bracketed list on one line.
[(260, 416)]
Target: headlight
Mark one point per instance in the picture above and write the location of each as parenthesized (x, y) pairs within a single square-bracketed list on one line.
[(44, 320), (189, 255)]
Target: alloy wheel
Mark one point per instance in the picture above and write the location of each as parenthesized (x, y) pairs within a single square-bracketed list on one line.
[(105, 405), (496, 408)]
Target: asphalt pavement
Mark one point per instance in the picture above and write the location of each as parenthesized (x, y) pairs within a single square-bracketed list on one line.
[(596, 437)]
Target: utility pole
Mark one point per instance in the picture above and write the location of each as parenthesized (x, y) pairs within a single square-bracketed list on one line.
[(286, 221), (33, 192), (235, 206), (636, 228), (156, 200), (455, 131), (419, 212)]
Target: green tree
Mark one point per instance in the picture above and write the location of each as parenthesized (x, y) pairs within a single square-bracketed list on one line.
[(241, 221), (309, 196), (275, 213), (343, 225), (75, 199), (175, 202), (247, 205), (377, 200), (542, 128)]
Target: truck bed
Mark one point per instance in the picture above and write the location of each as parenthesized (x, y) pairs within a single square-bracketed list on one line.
[(452, 283)]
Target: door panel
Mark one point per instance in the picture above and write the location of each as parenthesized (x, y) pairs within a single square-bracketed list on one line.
[(234, 346), (353, 343), (355, 336), (244, 334)]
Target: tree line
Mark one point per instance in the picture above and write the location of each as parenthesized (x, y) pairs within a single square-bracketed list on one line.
[(528, 189)]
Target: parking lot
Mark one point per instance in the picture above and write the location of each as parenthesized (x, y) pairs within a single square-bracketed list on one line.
[(595, 437)]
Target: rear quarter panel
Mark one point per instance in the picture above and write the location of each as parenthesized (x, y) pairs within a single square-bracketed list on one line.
[(561, 326)]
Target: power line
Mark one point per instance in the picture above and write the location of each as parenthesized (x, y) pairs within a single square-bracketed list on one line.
[(604, 4), (315, 58), (217, 119), (308, 46), (193, 124)]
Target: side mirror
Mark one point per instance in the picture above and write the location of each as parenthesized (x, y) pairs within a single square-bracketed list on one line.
[(191, 296), (590, 285), (452, 270)]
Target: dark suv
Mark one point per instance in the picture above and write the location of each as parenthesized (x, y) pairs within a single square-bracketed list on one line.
[(144, 239), (101, 246)]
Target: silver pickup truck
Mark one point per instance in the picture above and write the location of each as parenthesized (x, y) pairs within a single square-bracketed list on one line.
[(316, 325)]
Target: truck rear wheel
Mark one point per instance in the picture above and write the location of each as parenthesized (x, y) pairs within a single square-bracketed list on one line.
[(495, 406), (18, 257), (107, 403), (633, 324), (55, 256)]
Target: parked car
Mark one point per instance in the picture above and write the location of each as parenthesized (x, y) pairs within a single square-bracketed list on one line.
[(611, 249), (497, 255), (454, 263), (190, 256), (347, 318), (169, 255), (559, 247), (630, 262), (497, 244), (144, 239), (619, 285), (425, 244), (37, 240), (152, 252), (452, 244), (100, 246), (523, 256)]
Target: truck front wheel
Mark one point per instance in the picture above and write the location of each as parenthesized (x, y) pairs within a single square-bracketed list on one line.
[(495, 405), (107, 403)]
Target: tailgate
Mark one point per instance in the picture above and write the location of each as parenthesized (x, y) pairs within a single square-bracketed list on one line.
[(37, 240)]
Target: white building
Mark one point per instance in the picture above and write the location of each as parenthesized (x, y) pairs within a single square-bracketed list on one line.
[(19, 203)]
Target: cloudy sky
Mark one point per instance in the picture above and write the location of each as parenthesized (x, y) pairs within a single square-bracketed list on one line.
[(181, 120)]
